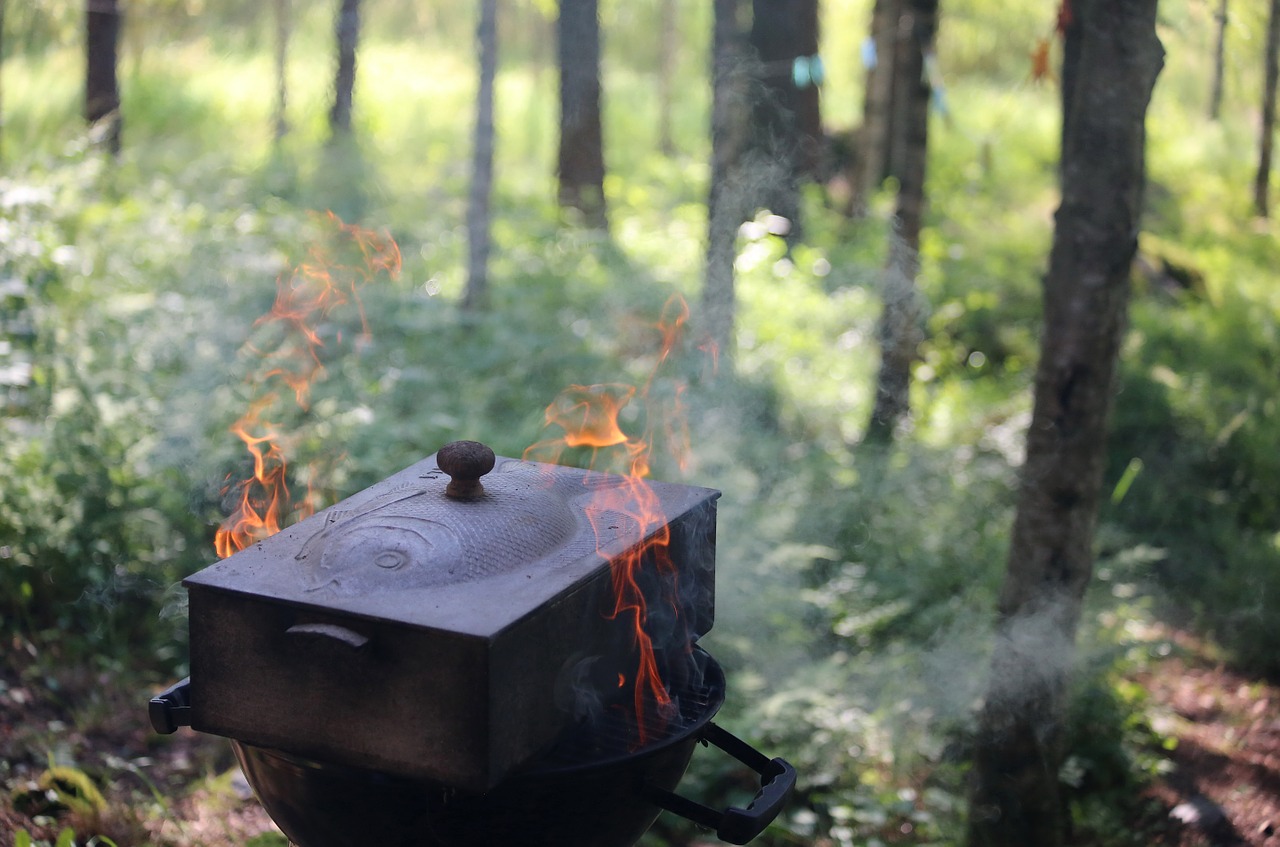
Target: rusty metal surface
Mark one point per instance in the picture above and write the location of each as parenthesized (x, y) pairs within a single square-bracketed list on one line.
[(431, 636)]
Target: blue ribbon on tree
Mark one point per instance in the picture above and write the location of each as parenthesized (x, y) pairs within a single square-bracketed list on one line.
[(807, 70)]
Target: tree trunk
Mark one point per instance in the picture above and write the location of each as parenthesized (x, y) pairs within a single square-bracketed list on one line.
[(476, 295), (780, 33), (1261, 183), (280, 121), (1219, 61), (900, 321), (666, 75), (808, 101), (101, 90), (2, 2), (876, 131), (1018, 749), (727, 199), (347, 31), (904, 89), (581, 161)]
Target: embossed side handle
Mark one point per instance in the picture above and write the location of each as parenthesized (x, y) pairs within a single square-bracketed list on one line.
[(329, 632)]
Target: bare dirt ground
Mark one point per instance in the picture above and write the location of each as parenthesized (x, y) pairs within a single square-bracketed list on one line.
[(1222, 788), (166, 791)]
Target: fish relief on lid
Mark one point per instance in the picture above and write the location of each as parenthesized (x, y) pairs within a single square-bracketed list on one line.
[(414, 537)]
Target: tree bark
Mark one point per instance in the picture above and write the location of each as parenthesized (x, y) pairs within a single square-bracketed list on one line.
[(1266, 146), (1018, 748), (347, 32), (581, 159), (1219, 61), (2, 55), (280, 121), (102, 91), (727, 202), (808, 101), (666, 75), (476, 295), (900, 320), (908, 53), (874, 136), (785, 114)]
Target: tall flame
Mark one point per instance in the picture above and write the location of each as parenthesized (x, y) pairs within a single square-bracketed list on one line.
[(305, 298), (590, 417)]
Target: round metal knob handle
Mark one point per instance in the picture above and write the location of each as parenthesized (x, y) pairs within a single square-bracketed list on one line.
[(465, 462)]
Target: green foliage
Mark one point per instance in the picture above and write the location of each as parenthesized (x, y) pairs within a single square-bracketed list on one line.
[(61, 789), (1196, 413), (66, 838)]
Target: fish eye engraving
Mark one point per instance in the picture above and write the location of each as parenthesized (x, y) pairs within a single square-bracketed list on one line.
[(390, 559)]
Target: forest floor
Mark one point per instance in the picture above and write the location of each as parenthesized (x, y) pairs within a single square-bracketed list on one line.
[(1222, 785)]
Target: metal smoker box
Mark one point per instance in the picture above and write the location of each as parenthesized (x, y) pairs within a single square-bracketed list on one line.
[(431, 636)]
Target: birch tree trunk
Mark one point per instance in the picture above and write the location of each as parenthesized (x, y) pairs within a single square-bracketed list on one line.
[(476, 295), (1111, 62), (1266, 146), (900, 328)]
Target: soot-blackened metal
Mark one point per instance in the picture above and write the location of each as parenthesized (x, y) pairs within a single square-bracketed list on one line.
[(429, 634)]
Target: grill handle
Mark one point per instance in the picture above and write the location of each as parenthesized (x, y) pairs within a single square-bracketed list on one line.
[(171, 708), (329, 633), (735, 825)]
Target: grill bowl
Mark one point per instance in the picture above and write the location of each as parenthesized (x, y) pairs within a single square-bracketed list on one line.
[(590, 791)]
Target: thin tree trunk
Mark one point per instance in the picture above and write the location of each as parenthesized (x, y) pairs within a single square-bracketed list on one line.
[(280, 120), (1261, 183), (476, 295), (1219, 61), (102, 91), (900, 320), (2, 55), (776, 36), (727, 200), (666, 75), (1019, 744), (908, 63), (808, 102), (581, 160), (347, 32), (873, 137)]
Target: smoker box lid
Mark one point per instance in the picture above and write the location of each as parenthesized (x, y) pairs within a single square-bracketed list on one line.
[(409, 632), (402, 551)]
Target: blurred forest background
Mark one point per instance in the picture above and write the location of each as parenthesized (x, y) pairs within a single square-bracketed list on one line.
[(857, 577)]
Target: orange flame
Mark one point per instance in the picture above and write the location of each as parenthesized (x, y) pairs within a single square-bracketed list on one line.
[(590, 417), (305, 298)]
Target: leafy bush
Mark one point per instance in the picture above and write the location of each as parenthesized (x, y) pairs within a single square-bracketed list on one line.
[(1196, 416)]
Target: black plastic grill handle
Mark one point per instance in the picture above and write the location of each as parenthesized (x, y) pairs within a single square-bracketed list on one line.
[(171, 708), (736, 825)]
